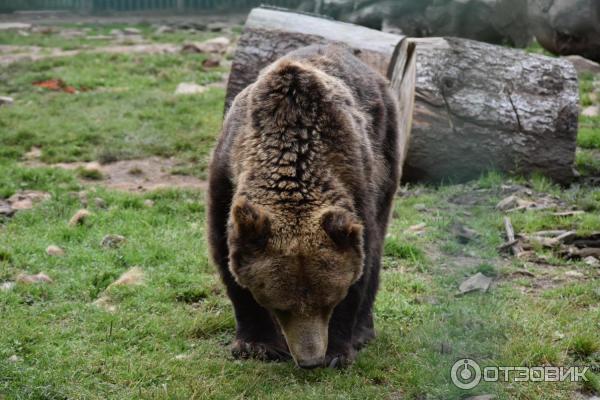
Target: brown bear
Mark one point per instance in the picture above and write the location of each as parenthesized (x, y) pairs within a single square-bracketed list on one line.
[(300, 189)]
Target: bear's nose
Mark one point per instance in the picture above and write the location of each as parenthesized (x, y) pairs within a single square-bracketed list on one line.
[(310, 364)]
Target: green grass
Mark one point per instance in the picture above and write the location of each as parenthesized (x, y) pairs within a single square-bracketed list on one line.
[(125, 109), (54, 38), (169, 337)]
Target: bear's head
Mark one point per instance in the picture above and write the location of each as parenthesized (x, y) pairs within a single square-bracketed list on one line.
[(298, 269)]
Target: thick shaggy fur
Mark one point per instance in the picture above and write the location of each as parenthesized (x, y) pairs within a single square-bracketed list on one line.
[(300, 190)]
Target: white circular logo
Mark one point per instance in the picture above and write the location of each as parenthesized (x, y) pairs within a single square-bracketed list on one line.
[(465, 374)]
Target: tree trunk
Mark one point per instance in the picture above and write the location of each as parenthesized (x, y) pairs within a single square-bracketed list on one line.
[(478, 107), (481, 107)]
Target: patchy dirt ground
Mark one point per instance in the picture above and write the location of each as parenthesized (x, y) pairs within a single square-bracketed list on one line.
[(132, 175)]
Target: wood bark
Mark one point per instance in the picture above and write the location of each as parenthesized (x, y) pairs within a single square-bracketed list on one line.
[(477, 107), (482, 107)]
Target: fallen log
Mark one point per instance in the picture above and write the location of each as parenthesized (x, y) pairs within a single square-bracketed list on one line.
[(478, 107)]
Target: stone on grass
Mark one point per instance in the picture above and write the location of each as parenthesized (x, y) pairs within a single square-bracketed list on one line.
[(7, 286), (416, 229), (574, 274), (5, 209), (80, 217), (164, 29), (216, 45), (6, 101), (149, 203), (26, 199), (507, 203), (14, 359), (420, 207), (132, 31), (187, 88), (216, 26), (132, 277), (591, 111), (591, 261), (8, 26), (104, 302), (33, 154), (477, 282), (53, 250), (100, 203), (112, 241), (37, 278), (211, 63)]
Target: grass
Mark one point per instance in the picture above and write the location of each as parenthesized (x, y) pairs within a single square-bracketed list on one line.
[(168, 337), (125, 109)]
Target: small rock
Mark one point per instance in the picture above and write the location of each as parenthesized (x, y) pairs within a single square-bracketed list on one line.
[(591, 111), (216, 26), (53, 250), (116, 32), (37, 278), (149, 203), (420, 207), (591, 261), (181, 357), (464, 233), (132, 277), (163, 29), (583, 65), (211, 63), (5, 209), (574, 274), (187, 88), (6, 101), (6, 26), (33, 154), (92, 171), (216, 45), (7, 286), (100, 203), (558, 336), (83, 198), (99, 37), (26, 199), (80, 217), (507, 203), (418, 229), (14, 359), (132, 31), (112, 241), (474, 283), (104, 302)]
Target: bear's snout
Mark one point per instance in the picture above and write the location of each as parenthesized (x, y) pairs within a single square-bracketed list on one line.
[(306, 337)]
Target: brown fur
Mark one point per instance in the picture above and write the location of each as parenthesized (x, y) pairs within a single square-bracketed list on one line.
[(300, 190)]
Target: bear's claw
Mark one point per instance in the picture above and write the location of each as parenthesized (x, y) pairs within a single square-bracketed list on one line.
[(341, 359), (260, 351)]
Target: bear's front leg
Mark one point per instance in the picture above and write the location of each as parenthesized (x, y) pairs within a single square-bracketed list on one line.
[(340, 349), (257, 336)]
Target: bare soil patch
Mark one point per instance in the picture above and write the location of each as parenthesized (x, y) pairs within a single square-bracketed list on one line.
[(135, 175)]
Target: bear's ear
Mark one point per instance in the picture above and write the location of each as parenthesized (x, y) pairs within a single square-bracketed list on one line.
[(343, 229), (250, 222)]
